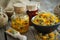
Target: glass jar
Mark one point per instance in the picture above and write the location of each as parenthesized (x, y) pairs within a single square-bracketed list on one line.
[(20, 20), (9, 13), (3, 19)]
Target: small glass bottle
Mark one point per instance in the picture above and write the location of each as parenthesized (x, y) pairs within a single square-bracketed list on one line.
[(31, 10)]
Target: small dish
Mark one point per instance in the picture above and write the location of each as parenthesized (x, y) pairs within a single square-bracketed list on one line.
[(11, 32)]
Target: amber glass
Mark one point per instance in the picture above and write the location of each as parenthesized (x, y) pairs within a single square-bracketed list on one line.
[(31, 14)]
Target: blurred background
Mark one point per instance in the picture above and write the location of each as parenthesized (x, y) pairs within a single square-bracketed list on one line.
[(4, 3), (44, 4)]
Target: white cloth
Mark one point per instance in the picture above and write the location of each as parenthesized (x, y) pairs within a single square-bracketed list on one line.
[(19, 36), (11, 2)]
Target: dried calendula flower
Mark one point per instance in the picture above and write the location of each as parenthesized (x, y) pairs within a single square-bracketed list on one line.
[(52, 35), (51, 38), (46, 19), (44, 37), (20, 23)]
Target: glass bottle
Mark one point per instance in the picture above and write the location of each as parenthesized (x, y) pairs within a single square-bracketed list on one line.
[(31, 10)]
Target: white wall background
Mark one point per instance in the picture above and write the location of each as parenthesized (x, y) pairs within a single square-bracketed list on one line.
[(3, 3)]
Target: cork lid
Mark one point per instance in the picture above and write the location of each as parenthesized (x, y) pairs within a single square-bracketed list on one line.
[(19, 7)]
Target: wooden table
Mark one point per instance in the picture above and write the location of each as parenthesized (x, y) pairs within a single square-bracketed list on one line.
[(4, 36), (31, 34)]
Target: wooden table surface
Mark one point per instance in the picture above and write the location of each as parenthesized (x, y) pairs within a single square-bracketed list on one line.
[(3, 36), (31, 34)]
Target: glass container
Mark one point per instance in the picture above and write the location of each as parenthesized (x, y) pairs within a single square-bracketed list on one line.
[(20, 20), (31, 10)]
